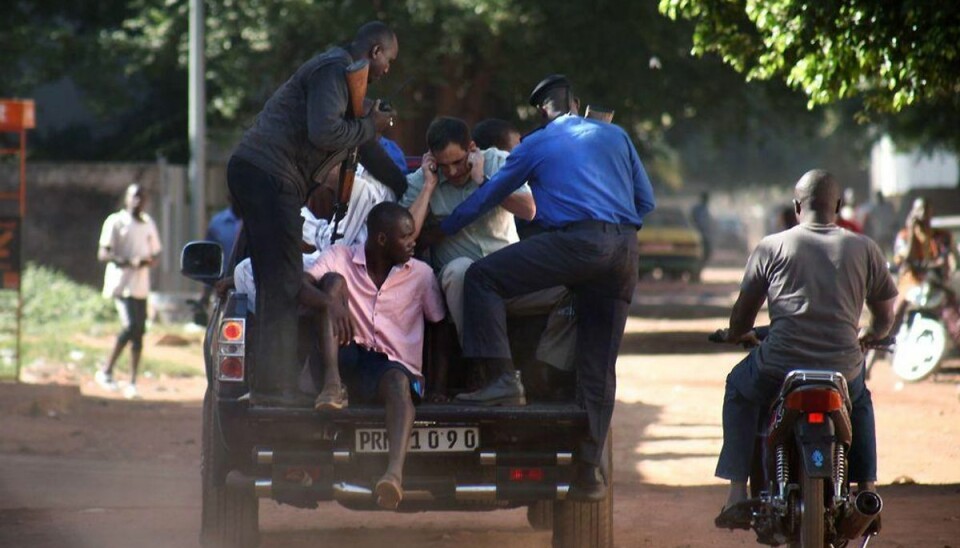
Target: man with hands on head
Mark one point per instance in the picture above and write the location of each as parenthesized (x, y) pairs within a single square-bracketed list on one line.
[(453, 169)]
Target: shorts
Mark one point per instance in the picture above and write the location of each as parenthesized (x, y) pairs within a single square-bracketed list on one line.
[(361, 370)]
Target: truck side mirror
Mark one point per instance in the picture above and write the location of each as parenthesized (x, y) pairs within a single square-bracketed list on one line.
[(202, 261)]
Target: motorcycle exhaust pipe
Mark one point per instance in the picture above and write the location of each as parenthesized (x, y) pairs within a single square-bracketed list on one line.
[(859, 515)]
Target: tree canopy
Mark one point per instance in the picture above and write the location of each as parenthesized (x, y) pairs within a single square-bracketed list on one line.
[(900, 56), (693, 119), (895, 54)]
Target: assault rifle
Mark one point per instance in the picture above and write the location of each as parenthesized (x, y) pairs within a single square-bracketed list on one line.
[(356, 75)]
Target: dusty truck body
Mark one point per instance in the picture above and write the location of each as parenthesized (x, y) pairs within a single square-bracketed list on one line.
[(461, 458)]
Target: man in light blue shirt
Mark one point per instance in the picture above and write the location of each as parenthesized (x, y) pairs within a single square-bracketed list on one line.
[(591, 193)]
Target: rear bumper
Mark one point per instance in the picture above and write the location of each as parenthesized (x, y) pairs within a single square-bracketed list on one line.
[(299, 456)]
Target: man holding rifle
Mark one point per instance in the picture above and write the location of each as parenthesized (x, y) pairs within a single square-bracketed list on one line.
[(304, 129)]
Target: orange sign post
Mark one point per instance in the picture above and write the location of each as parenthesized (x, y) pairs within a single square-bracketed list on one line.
[(16, 116)]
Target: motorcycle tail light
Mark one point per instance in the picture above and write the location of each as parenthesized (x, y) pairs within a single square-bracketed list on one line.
[(815, 418), (817, 401)]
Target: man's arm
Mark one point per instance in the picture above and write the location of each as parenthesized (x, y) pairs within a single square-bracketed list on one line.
[(881, 296), (420, 189), (514, 173), (881, 319), (323, 301), (753, 291), (744, 314), (327, 100), (105, 250), (105, 255), (521, 204), (642, 189)]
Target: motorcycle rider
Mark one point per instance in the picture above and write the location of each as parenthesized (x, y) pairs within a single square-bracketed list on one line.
[(815, 278), (919, 249)]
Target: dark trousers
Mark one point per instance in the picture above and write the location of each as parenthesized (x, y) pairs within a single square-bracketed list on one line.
[(133, 320), (750, 393), (599, 263), (270, 208)]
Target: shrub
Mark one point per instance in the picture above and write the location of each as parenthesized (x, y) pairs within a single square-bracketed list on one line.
[(50, 299)]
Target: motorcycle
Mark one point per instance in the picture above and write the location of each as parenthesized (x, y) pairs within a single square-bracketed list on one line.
[(798, 483), (931, 323)]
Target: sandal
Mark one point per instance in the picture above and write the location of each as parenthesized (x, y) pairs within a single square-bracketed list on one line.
[(738, 516), (389, 492), (331, 398)]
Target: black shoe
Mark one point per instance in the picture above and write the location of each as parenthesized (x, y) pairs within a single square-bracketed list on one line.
[(588, 485), (738, 516), (505, 390)]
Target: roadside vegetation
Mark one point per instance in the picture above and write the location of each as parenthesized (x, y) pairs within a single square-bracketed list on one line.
[(70, 325)]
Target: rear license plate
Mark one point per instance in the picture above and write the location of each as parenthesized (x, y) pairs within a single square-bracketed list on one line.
[(457, 439)]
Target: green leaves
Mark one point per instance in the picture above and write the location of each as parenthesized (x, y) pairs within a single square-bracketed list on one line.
[(893, 54)]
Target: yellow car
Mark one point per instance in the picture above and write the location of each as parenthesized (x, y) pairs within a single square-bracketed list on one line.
[(670, 246)]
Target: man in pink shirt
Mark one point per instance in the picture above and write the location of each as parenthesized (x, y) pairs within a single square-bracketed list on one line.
[(388, 294)]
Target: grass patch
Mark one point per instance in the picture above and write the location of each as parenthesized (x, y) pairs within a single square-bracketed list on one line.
[(69, 323)]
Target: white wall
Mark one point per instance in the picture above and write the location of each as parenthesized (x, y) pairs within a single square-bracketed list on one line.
[(896, 172)]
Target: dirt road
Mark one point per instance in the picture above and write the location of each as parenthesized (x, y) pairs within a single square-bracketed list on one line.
[(79, 467)]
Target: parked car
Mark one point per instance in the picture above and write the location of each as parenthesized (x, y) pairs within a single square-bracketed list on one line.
[(670, 245)]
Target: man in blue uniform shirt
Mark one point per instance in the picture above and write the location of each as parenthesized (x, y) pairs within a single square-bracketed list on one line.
[(591, 193)]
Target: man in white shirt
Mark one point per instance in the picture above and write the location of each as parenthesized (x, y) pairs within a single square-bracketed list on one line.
[(129, 244)]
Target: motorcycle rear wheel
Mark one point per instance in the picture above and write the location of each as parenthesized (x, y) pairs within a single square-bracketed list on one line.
[(811, 513)]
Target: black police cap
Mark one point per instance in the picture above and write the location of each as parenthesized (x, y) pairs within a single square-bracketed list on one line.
[(545, 85)]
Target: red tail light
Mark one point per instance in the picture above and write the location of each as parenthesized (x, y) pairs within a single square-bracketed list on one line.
[(231, 331), (816, 400), (815, 418), (526, 474), (231, 368)]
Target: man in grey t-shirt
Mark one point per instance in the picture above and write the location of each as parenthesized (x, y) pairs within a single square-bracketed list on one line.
[(815, 278)]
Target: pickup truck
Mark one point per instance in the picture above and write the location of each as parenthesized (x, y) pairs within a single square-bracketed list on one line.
[(461, 458)]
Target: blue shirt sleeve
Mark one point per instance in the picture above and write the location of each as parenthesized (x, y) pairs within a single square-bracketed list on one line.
[(642, 189), (395, 153), (515, 171)]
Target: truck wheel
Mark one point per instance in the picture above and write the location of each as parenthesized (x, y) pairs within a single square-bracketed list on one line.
[(586, 524), (230, 517), (540, 515)]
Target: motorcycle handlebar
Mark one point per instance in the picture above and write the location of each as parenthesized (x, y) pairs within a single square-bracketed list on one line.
[(720, 336)]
